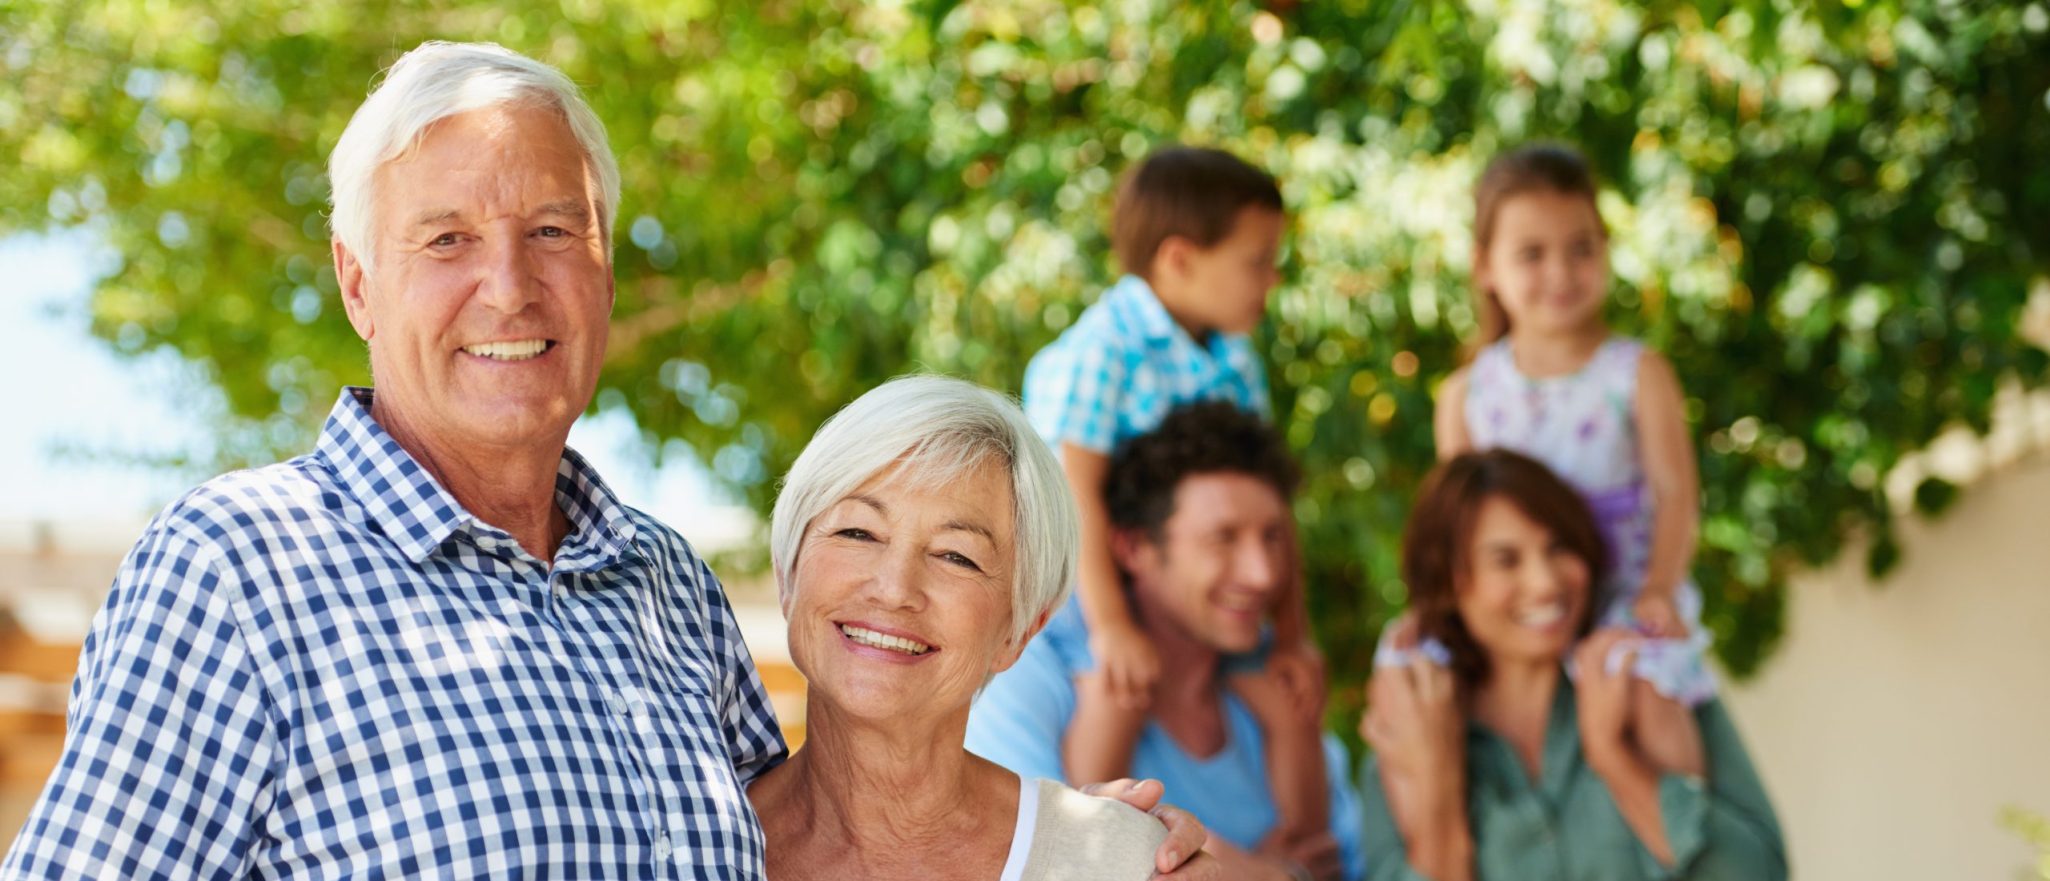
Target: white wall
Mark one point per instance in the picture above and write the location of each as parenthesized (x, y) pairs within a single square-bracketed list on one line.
[(1898, 718)]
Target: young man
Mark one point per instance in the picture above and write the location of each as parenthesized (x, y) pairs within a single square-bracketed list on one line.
[(1199, 523)]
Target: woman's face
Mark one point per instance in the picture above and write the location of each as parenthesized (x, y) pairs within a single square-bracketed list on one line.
[(900, 603), (1525, 593)]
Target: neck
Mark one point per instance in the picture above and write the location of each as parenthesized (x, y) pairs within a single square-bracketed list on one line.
[(885, 788), (1195, 662), (1515, 694), (1553, 354), (512, 488), (1171, 301)]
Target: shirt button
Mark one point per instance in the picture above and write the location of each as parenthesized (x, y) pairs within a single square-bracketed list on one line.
[(661, 847), (616, 702), (561, 593)]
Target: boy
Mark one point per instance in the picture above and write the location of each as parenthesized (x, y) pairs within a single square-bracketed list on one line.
[(1198, 232)]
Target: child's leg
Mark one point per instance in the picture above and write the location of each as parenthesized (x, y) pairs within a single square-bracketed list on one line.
[(1666, 731), (1295, 747)]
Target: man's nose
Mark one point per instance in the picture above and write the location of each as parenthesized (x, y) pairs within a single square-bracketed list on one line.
[(1256, 565), (508, 283)]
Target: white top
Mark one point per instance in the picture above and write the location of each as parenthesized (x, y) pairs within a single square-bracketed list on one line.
[(1063, 835), (1021, 837)]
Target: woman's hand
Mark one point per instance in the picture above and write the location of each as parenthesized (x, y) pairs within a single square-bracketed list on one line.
[(1185, 834), (1416, 726), (1604, 661), (1414, 723)]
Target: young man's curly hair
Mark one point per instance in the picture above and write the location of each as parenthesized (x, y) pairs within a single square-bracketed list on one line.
[(1207, 438)]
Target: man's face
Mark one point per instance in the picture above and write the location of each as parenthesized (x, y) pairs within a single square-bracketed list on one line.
[(487, 311), (1220, 559)]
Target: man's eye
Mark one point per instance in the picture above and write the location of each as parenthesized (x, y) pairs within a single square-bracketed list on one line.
[(445, 240), (551, 232)]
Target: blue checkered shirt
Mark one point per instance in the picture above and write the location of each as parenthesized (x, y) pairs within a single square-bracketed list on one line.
[(327, 669), (1125, 364)]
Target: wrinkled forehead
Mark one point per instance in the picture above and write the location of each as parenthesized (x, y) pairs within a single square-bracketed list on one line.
[(508, 158)]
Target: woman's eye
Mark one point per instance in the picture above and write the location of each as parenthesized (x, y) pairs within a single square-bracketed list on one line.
[(959, 560), (444, 240), (854, 533)]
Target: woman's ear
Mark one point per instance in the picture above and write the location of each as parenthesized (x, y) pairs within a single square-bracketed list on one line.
[(1016, 648)]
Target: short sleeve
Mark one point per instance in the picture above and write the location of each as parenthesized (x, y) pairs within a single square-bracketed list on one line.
[(1019, 718), (169, 759), (1073, 391), (754, 740)]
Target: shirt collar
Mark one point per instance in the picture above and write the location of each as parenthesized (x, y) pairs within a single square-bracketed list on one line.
[(1142, 312), (418, 513)]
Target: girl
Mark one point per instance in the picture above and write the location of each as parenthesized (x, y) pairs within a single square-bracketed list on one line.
[(1551, 381)]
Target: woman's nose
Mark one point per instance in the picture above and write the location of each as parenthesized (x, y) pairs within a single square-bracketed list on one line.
[(897, 582)]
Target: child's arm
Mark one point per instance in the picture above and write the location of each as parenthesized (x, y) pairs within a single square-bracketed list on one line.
[(1449, 421), (1669, 468), (1099, 742)]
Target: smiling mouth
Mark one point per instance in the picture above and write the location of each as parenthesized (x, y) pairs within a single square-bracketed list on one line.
[(1542, 616), (872, 639), (511, 350)]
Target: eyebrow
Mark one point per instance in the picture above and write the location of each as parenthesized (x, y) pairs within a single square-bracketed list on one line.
[(957, 525), (435, 217), (571, 208), (967, 526)]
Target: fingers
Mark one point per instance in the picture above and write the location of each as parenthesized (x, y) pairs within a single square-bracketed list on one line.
[(1185, 836), (1142, 794)]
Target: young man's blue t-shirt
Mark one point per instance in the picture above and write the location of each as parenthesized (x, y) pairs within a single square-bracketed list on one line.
[(1020, 718)]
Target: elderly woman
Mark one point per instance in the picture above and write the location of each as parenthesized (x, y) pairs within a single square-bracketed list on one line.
[(1493, 762), (919, 542)]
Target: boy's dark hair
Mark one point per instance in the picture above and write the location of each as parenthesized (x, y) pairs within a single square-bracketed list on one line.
[(1541, 166), (1437, 543), (1205, 438), (1192, 192)]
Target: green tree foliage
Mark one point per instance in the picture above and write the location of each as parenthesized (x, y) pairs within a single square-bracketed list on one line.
[(1830, 216)]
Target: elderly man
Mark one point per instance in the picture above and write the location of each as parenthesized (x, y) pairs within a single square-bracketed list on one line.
[(1199, 516), (438, 646)]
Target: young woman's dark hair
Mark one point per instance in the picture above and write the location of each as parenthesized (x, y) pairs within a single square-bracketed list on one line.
[(1437, 545), (1549, 167)]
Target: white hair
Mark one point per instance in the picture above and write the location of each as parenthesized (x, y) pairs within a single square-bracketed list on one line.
[(934, 430), (435, 81)]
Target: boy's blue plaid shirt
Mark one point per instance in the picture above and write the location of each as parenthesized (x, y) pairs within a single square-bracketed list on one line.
[(326, 668), (1125, 364)]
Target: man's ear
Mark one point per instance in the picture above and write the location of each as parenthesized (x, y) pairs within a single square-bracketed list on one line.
[(1131, 549), (355, 285)]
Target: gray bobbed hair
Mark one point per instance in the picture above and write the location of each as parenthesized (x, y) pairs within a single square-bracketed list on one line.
[(934, 430), (435, 81)]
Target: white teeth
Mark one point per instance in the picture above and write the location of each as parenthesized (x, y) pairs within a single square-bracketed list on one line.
[(873, 639), (511, 350), (1541, 617)]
